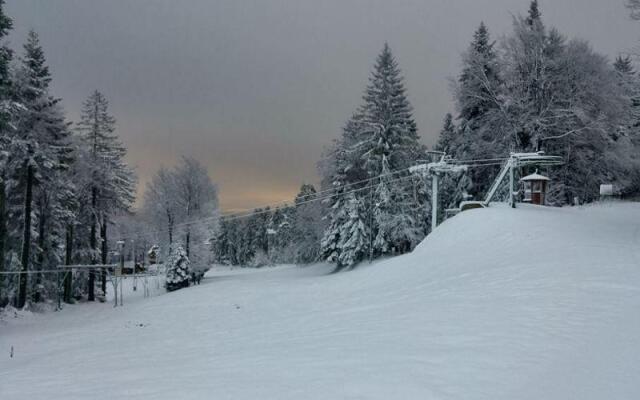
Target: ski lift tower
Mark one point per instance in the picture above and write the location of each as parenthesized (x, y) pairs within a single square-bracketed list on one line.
[(435, 170)]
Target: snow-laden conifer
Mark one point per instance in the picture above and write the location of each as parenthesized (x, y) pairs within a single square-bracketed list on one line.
[(178, 270)]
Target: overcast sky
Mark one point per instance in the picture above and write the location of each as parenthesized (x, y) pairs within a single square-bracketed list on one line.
[(256, 89)]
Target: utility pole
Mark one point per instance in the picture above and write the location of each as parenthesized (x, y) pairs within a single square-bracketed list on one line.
[(371, 224), (512, 201)]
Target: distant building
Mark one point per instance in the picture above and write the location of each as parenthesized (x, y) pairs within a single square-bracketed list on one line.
[(609, 192)]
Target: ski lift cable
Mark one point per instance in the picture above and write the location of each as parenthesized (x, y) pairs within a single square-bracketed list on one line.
[(391, 173), (286, 202)]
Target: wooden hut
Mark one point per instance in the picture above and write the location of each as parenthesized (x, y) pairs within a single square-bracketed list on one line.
[(535, 188)]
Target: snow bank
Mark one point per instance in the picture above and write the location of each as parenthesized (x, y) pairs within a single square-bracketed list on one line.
[(532, 303)]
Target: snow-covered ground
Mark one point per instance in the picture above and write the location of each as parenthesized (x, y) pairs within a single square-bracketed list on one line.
[(532, 303)]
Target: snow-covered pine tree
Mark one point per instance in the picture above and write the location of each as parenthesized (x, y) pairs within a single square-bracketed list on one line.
[(308, 227), (54, 193), (40, 160), (178, 270), (338, 167), (112, 182), (388, 132), (220, 253), (447, 138), (333, 235), (389, 142), (354, 239), (482, 130), (381, 136), (534, 13), (279, 236), (258, 246)]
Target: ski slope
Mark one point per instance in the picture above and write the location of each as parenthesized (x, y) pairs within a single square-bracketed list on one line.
[(531, 303)]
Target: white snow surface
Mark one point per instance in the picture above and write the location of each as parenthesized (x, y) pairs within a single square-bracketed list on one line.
[(531, 303)]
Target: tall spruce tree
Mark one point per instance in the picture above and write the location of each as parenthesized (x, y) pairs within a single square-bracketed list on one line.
[(307, 229), (355, 237), (389, 142), (447, 137), (43, 154), (481, 132), (380, 139), (341, 170), (389, 134), (534, 13), (111, 182)]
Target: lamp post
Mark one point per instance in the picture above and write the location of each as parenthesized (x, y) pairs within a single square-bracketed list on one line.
[(120, 244)]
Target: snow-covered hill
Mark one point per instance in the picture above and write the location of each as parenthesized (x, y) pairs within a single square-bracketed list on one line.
[(532, 303)]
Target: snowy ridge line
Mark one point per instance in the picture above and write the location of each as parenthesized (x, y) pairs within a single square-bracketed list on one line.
[(240, 216)]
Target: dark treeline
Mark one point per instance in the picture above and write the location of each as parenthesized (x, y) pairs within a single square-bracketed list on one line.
[(289, 234), (60, 183)]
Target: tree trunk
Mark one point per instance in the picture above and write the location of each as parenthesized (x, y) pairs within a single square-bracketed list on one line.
[(92, 245), (67, 261), (105, 249), (170, 223), (26, 238), (3, 235), (41, 225), (187, 240)]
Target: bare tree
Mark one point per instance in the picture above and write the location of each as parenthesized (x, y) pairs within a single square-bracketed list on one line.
[(183, 203)]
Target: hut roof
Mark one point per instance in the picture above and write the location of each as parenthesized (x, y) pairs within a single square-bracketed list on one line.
[(535, 177)]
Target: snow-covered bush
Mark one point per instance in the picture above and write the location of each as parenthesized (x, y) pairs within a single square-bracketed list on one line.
[(259, 259), (178, 270)]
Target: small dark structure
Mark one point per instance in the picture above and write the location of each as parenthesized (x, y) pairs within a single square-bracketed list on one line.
[(153, 254), (535, 188)]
